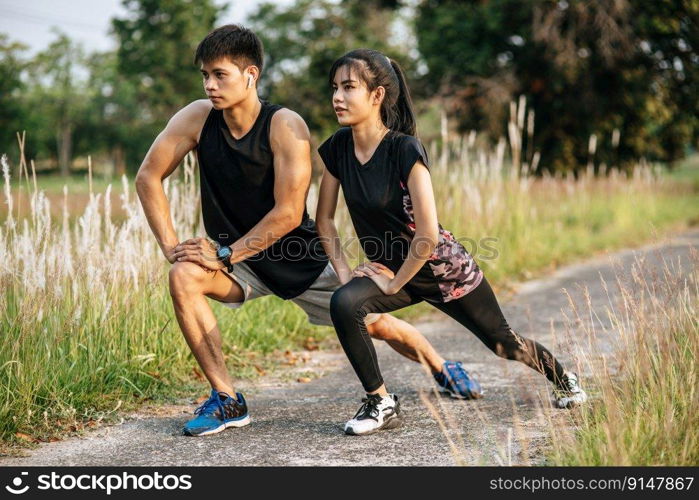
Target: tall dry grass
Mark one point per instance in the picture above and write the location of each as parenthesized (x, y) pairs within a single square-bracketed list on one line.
[(641, 362)]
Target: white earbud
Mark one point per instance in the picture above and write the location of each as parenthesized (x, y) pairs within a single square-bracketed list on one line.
[(249, 81)]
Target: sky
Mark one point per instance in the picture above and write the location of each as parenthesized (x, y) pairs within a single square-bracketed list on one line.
[(86, 21)]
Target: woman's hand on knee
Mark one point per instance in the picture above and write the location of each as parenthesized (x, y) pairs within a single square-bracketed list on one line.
[(370, 269), (385, 284), (379, 274)]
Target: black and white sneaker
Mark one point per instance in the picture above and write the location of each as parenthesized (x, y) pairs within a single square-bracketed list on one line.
[(375, 414), (572, 395)]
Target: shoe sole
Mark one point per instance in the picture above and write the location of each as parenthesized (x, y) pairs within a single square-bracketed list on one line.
[(570, 403), (456, 395), (233, 423), (392, 423)]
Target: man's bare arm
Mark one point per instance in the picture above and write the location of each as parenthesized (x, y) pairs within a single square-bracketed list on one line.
[(178, 138), (290, 141)]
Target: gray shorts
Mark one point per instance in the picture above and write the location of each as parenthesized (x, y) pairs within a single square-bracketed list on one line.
[(315, 301)]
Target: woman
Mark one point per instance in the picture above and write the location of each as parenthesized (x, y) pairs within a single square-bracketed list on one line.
[(383, 171)]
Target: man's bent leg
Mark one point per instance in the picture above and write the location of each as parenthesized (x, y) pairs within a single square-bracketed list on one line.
[(406, 340), (189, 286)]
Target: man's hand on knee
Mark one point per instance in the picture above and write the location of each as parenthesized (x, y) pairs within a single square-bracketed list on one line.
[(199, 251)]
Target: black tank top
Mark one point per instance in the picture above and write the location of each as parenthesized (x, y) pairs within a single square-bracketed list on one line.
[(237, 191)]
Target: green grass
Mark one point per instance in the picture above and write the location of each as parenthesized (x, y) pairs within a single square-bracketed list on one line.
[(541, 227), (131, 353), (687, 170), (77, 183)]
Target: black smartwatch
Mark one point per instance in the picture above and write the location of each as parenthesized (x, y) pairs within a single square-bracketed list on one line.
[(224, 255)]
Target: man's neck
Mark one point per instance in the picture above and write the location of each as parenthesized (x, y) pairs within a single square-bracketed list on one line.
[(241, 117)]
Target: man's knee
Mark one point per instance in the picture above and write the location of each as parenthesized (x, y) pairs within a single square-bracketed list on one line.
[(382, 328), (185, 278)]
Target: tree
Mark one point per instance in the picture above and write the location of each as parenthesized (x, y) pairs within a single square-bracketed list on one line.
[(55, 99), (157, 41), (112, 122), (303, 40), (599, 67), (12, 114), (668, 34)]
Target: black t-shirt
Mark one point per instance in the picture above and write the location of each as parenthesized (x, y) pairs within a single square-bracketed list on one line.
[(237, 191), (382, 213)]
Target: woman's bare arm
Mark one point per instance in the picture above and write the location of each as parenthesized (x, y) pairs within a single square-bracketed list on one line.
[(325, 222)]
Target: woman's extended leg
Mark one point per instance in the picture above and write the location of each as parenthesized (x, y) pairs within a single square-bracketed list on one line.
[(480, 312)]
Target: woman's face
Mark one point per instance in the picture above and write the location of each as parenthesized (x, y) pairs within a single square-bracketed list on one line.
[(352, 101)]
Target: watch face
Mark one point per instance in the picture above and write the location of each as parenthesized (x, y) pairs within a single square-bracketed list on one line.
[(223, 252)]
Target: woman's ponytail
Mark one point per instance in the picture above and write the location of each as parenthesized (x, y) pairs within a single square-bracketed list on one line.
[(404, 114)]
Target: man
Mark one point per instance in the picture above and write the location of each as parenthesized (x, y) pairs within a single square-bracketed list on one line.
[(255, 170)]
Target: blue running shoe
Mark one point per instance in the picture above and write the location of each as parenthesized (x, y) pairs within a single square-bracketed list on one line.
[(217, 413), (456, 381)]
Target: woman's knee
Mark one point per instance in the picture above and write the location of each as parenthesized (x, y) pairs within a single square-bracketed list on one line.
[(347, 302), (343, 301)]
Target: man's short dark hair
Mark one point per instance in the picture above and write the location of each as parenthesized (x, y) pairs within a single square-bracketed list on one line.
[(239, 44)]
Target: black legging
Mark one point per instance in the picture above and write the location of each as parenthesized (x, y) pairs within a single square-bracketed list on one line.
[(478, 311)]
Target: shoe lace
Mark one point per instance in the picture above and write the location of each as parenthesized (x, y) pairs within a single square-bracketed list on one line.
[(458, 374), (369, 409), (572, 384), (568, 387), (210, 406)]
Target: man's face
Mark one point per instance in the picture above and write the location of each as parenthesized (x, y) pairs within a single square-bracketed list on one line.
[(225, 85)]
